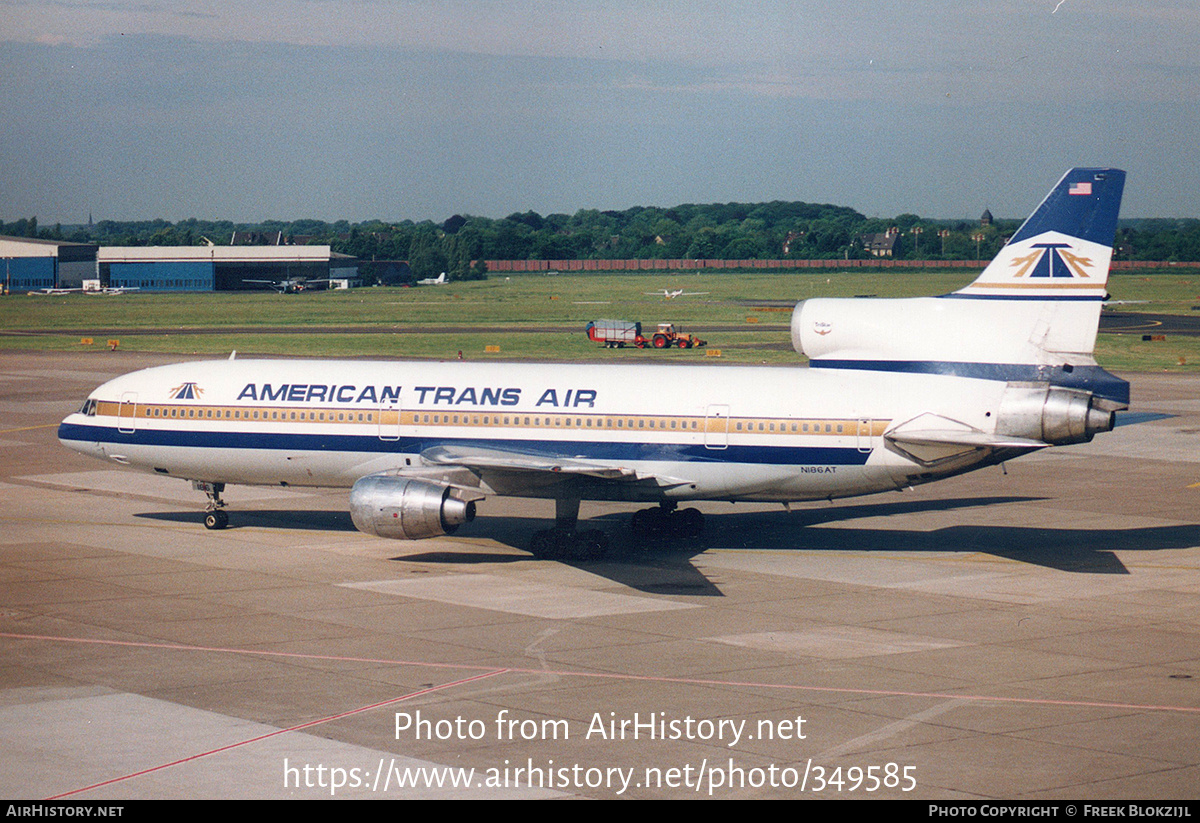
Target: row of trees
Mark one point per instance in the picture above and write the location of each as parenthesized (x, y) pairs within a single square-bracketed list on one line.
[(724, 230)]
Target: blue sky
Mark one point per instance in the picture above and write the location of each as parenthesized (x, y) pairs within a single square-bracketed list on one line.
[(362, 109)]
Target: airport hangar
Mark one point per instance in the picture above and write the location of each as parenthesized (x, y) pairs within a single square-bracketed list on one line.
[(31, 264)]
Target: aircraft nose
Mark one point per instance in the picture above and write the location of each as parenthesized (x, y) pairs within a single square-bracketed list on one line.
[(72, 435)]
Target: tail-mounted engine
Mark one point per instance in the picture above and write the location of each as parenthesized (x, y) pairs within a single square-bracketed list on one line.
[(406, 509), (1051, 414)]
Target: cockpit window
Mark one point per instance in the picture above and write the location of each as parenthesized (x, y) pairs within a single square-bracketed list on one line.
[(89, 407)]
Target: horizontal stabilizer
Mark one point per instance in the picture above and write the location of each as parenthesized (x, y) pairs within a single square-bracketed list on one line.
[(974, 440), (931, 438)]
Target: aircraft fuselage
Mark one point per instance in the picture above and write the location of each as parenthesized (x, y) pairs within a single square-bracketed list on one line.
[(716, 432)]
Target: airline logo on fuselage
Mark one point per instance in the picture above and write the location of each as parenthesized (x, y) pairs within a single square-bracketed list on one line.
[(417, 396), (186, 391)]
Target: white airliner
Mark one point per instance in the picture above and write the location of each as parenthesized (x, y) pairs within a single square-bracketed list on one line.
[(898, 392)]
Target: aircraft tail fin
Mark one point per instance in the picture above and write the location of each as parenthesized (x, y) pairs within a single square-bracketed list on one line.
[(1063, 250), (1031, 315)]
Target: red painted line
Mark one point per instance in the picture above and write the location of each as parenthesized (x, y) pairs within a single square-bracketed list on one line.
[(693, 681), (248, 741)]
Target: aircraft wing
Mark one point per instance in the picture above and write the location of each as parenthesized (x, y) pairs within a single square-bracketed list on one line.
[(538, 469)]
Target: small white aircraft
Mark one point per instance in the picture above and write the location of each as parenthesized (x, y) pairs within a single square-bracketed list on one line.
[(671, 295), (290, 285), (440, 280), (898, 392), (113, 291)]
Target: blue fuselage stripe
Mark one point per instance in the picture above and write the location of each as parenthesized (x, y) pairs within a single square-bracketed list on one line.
[(562, 449), (1085, 378)]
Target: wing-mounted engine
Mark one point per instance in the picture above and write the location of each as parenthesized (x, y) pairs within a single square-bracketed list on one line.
[(404, 508)]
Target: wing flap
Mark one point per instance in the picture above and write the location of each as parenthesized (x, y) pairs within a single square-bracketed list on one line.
[(541, 467)]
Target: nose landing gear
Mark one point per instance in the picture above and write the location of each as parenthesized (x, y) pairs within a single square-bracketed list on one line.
[(215, 516)]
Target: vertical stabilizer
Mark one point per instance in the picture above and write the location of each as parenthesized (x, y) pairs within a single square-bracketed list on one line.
[(1063, 251)]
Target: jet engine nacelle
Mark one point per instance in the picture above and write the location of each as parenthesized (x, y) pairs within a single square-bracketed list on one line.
[(406, 509), (1051, 414)]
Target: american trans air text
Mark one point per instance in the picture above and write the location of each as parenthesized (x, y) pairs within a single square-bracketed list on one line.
[(425, 395)]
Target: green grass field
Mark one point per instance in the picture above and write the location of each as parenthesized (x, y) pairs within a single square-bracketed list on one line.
[(525, 315)]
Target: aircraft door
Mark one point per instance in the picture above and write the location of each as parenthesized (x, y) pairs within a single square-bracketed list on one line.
[(716, 427), (865, 443), (127, 413), (389, 420)]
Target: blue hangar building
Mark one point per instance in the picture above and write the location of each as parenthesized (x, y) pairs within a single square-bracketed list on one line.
[(31, 265), (220, 268), (27, 264)]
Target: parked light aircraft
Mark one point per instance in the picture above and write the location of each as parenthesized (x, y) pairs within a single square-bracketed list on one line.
[(898, 392), (440, 280), (290, 285)]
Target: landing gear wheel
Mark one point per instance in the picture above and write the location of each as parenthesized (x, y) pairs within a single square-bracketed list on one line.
[(688, 522), (645, 522), (216, 520), (543, 545), (588, 545)]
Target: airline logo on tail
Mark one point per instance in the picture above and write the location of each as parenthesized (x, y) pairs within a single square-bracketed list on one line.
[(1047, 266), (1052, 260)]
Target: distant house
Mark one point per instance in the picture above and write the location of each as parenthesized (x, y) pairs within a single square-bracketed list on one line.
[(792, 237), (880, 245)]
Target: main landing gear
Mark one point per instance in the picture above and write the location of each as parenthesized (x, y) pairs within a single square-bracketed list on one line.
[(563, 542), (215, 516), (666, 521)]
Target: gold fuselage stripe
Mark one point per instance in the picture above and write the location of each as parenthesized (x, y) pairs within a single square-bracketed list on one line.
[(576, 421)]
